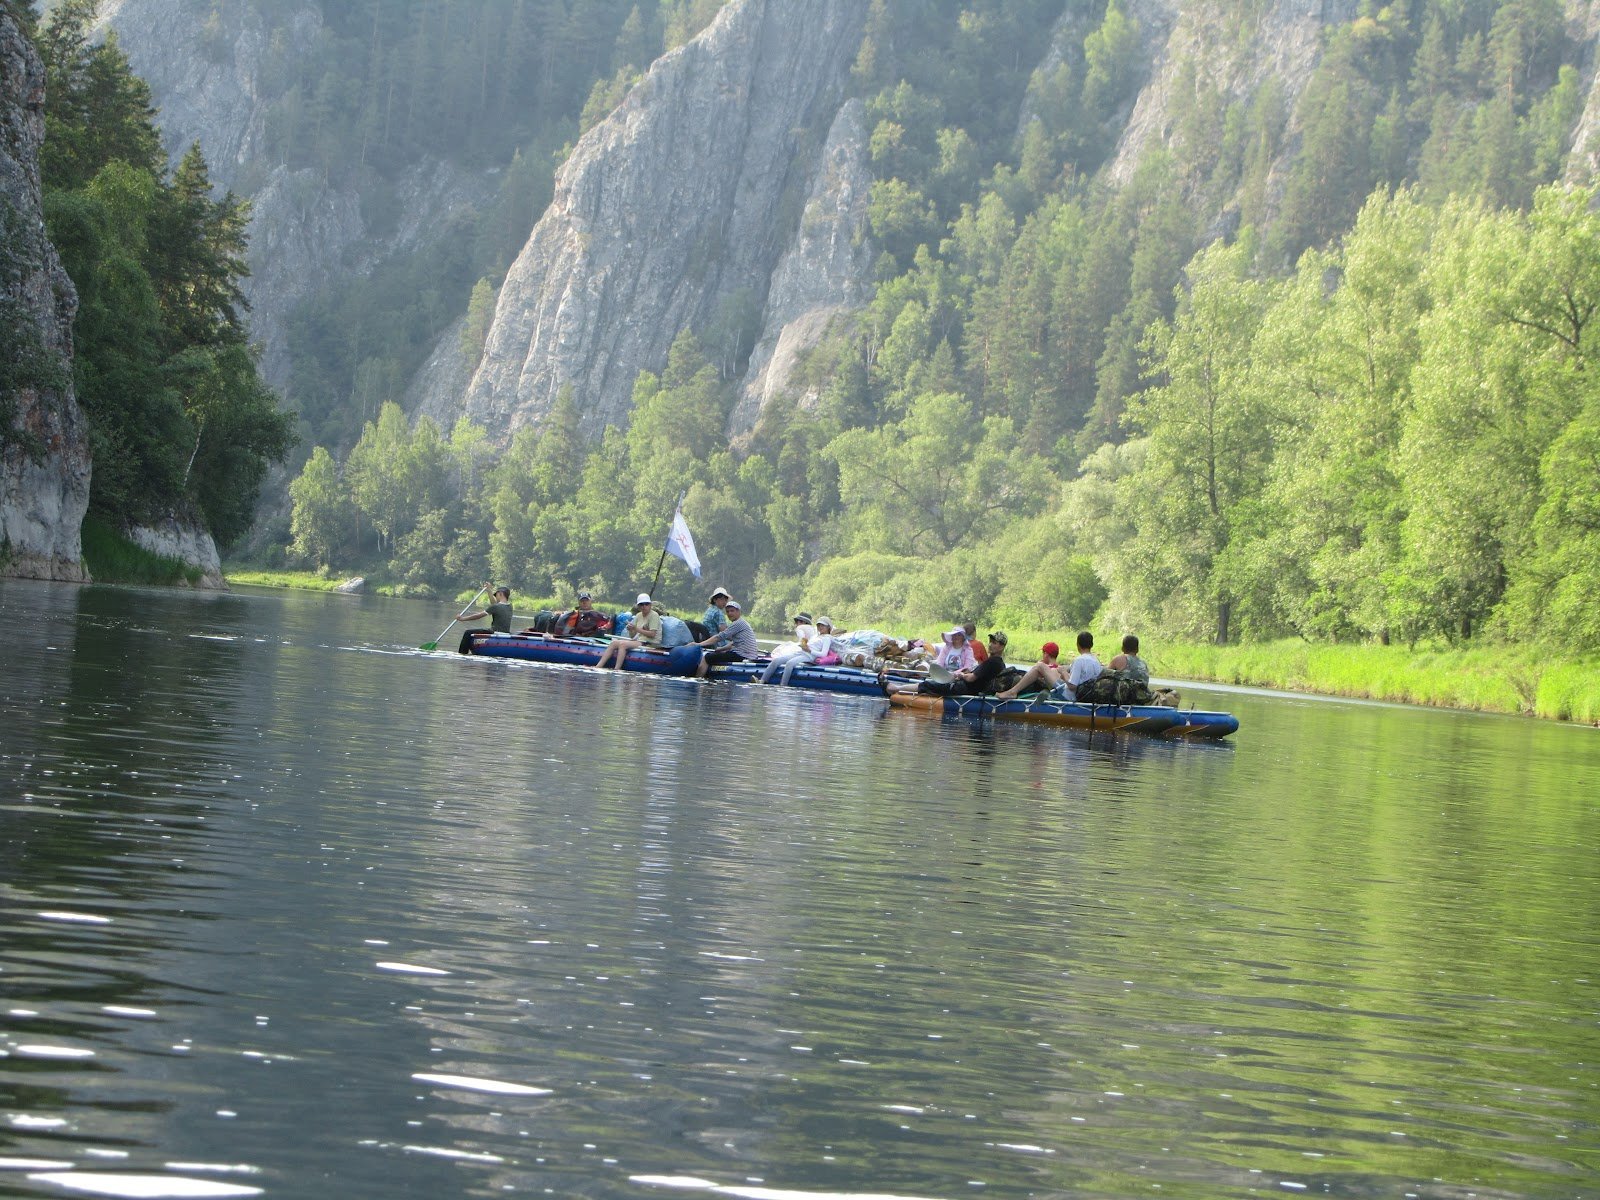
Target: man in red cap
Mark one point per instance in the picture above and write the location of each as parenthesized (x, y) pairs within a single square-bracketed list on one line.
[(1044, 675)]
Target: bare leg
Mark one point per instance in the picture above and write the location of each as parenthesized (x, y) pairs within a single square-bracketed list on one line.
[(1035, 674)]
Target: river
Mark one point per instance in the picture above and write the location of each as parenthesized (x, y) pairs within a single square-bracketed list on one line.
[(289, 908)]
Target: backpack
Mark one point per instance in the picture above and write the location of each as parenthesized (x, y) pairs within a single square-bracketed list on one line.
[(1113, 687)]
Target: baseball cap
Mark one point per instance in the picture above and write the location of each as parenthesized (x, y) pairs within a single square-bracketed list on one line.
[(585, 596), (1050, 649), (735, 604), (828, 621), (998, 636)]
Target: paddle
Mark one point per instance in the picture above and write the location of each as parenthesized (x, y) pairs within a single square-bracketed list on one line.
[(434, 645)]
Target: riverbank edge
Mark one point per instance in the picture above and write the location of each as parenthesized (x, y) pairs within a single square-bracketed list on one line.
[(1492, 679)]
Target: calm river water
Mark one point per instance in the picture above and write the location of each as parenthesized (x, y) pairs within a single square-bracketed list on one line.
[(289, 908)]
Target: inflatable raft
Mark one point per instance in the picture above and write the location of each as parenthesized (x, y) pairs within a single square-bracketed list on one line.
[(579, 652), (1115, 718)]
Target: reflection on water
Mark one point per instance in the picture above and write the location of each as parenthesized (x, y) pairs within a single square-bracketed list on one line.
[(287, 908)]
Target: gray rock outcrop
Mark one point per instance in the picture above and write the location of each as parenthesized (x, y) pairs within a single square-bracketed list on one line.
[(825, 274), (186, 542), (44, 475), (1285, 44), (671, 207)]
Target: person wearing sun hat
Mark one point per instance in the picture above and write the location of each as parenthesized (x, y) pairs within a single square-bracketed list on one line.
[(643, 630), (736, 643), (716, 618)]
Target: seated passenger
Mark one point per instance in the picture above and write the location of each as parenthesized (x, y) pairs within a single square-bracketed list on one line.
[(736, 643), (956, 652), (715, 619), (1044, 676), (970, 682), (970, 628), (800, 648), (1130, 662), (1084, 668), (643, 630), (815, 647), (584, 621)]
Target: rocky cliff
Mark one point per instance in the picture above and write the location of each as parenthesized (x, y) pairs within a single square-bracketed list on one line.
[(208, 67), (44, 471), (826, 272), (680, 202)]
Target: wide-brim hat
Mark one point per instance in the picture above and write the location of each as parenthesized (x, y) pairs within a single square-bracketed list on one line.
[(644, 598), (721, 591), (803, 617)]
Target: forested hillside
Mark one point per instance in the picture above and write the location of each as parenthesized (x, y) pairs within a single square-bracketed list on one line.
[(1319, 369)]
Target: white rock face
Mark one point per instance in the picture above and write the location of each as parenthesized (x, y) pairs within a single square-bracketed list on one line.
[(665, 210), (1285, 44), (187, 543), (42, 497), (826, 272)]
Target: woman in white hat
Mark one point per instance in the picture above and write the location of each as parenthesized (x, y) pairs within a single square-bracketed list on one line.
[(643, 630)]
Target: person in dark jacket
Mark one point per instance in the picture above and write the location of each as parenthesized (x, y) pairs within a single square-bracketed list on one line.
[(974, 682)]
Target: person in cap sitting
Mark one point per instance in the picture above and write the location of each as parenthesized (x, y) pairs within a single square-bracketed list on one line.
[(583, 621), (973, 682), (815, 641), (735, 643), (643, 630), (799, 648), (1044, 676), (716, 619)]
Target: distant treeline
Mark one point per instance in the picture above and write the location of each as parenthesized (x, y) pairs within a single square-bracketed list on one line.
[(179, 420)]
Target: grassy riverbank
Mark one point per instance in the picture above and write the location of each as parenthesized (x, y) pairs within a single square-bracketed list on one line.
[(1485, 679), (1501, 679), (112, 558)]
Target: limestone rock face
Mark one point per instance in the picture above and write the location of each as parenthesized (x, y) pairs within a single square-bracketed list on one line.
[(672, 207), (43, 495), (825, 273), (186, 542)]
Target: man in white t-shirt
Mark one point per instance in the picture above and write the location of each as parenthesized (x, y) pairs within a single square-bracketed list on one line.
[(1084, 668)]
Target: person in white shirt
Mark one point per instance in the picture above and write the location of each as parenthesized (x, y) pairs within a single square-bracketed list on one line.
[(1084, 668), (793, 654)]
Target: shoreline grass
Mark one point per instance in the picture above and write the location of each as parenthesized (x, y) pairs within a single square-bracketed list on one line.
[(112, 558)]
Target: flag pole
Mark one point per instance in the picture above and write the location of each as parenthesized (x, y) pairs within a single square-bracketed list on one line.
[(660, 562)]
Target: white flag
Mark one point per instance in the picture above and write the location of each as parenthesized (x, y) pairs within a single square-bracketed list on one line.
[(680, 543)]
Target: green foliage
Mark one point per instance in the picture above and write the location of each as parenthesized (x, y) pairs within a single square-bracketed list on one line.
[(1357, 414), (179, 417), (112, 558)]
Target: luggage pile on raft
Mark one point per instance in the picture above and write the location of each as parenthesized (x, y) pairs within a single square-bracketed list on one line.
[(867, 659)]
